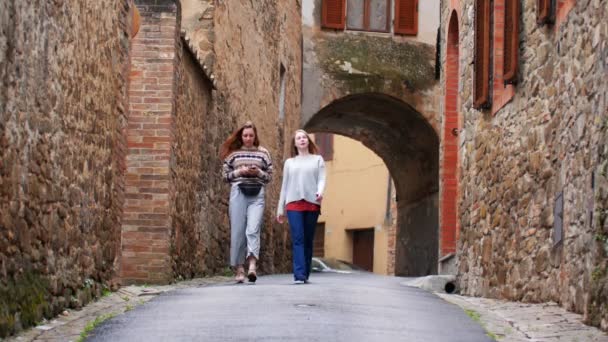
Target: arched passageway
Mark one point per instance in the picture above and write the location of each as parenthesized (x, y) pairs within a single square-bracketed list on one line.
[(409, 146)]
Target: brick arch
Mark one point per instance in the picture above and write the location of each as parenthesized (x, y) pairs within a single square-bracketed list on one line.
[(449, 145), (409, 146)]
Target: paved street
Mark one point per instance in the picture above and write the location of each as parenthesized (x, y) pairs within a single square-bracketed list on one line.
[(331, 308)]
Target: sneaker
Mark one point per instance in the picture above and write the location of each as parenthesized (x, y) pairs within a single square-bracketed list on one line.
[(298, 282)]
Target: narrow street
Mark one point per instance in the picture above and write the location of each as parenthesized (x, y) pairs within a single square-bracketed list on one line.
[(333, 307)]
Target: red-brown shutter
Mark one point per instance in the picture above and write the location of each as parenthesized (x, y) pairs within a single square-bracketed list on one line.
[(333, 13), (481, 91), (543, 11), (406, 17), (511, 41)]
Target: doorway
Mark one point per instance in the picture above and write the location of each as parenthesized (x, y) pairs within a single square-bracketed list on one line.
[(363, 248)]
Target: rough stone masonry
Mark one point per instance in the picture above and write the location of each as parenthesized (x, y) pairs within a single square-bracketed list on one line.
[(62, 111), (516, 160)]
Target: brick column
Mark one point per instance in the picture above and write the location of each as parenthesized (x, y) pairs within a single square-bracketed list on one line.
[(146, 223), (449, 175)]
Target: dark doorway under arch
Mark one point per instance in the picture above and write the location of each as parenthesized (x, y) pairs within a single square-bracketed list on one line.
[(409, 146)]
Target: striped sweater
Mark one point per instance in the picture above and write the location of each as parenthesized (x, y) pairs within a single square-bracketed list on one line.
[(257, 156)]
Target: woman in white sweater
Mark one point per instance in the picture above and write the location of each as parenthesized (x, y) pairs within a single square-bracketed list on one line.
[(300, 200)]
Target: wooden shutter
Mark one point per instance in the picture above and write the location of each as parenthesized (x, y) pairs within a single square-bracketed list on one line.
[(511, 41), (332, 14), (406, 17), (481, 91), (543, 12)]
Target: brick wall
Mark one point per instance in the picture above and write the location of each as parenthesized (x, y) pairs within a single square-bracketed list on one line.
[(146, 224), (62, 112)]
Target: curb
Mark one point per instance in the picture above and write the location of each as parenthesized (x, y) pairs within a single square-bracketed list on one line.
[(71, 323)]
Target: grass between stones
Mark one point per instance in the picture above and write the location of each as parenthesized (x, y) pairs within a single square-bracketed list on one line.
[(92, 325), (477, 318)]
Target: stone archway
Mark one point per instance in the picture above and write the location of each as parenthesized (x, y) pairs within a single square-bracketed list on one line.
[(409, 146)]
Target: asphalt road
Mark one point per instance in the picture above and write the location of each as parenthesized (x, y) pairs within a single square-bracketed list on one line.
[(333, 307)]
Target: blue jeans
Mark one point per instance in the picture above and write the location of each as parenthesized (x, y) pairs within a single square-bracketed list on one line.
[(302, 225)]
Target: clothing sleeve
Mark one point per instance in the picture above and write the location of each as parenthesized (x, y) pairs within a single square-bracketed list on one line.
[(321, 176), (228, 171), (266, 173), (283, 196)]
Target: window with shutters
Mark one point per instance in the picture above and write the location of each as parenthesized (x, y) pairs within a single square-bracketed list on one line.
[(325, 143), (332, 14), (481, 87), (368, 15), (511, 41), (545, 12), (406, 17)]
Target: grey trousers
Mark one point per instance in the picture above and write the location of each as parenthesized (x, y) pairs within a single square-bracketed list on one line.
[(246, 214)]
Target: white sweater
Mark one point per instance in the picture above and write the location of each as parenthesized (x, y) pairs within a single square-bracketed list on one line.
[(303, 178)]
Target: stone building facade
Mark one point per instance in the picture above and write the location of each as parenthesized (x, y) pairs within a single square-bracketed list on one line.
[(532, 164), (109, 167), (366, 79)]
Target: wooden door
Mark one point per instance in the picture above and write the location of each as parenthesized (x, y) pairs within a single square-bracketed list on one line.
[(363, 248)]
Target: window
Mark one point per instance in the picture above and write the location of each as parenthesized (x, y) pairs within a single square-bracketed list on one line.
[(325, 143), (511, 40), (368, 15), (481, 88)]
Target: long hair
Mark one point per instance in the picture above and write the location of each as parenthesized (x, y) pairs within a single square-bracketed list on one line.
[(235, 140), (312, 147)]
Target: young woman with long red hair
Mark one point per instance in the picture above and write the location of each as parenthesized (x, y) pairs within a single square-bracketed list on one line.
[(248, 168)]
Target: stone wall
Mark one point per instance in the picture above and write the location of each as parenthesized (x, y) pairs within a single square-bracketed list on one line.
[(514, 162), (199, 234), (62, 111)]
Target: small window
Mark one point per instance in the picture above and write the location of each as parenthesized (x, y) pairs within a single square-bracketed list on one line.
[(481, 88), (368, 15), (325, 143)]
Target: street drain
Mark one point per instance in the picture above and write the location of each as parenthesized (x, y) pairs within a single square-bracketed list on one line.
[(304, 305)]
